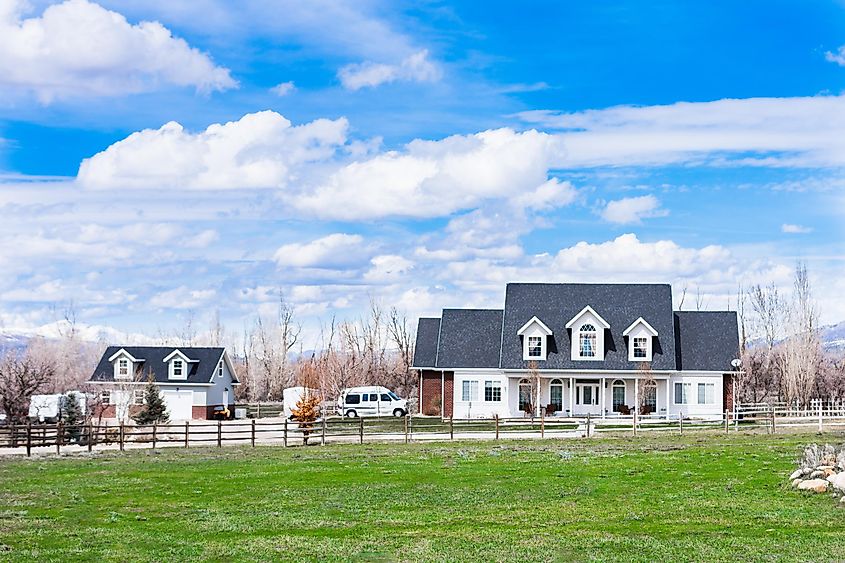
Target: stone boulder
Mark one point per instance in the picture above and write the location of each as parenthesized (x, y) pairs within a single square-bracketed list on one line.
[(797, 474), (838, 481), (814, 485)]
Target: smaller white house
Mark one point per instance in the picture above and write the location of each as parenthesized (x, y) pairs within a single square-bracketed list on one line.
[(194, 382)]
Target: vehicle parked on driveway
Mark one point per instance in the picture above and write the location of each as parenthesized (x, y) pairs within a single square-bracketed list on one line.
[(371, 401)]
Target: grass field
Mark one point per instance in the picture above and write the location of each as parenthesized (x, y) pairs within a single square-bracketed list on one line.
[(694, 498)]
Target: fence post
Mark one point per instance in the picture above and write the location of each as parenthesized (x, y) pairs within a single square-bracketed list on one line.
[(451, 427), (681, 422), (121, 436), (13, 435), (155, 434), (542, 423), (60, 434), (774, 429), (90, 436), (258, 411), (323, 437), (28, 438), (820, 415), (219, 433), (588, 425), (406, 428), (410, 428), (635, 422), (496, 417), (727, 414), (252, 436), (285, 435), (360, 430)]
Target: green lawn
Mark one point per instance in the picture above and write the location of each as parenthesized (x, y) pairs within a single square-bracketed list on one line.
[(695, 498)]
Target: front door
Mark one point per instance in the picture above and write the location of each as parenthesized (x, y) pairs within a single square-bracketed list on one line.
[(586, 398)]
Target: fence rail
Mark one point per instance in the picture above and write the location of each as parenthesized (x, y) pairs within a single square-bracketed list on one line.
[(258, 431)]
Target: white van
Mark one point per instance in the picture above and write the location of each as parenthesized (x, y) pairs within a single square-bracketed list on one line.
[(371, 401)]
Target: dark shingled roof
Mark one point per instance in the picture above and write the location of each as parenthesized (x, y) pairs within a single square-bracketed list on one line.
[(153, 356), (425, 350), (470, 338), (619, 304), (706, 340)]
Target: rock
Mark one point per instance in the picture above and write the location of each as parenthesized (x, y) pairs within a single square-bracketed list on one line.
[(838, 481), (824, 467), (796, 474), (806, 470), (796, 482), (842, 500), (815, 485), (816, 475)]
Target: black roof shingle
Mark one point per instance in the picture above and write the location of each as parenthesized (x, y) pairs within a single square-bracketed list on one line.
[(706, 340), (425, 350), (201, 371)]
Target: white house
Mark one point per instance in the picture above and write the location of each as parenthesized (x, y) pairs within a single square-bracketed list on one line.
[(598, 349), (193, 381)]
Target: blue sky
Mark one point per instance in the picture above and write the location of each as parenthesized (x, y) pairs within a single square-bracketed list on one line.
[(165, 160)]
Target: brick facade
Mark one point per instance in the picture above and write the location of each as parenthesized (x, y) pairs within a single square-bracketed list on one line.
[(436, 393), (448, 393)]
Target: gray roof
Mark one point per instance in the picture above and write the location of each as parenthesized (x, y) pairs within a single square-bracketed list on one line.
[(201, 371), (619, 304), (470, 338), (425, 350), (706, 340), (487, 338)]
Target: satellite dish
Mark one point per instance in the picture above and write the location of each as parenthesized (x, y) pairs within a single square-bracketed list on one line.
[(736, 362)]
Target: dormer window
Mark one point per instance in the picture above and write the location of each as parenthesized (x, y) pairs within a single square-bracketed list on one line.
[(123, 367), (587, 341), (178, 368), (178, 365), (535, 335), (641, 347), (587, 338), (641, 337)]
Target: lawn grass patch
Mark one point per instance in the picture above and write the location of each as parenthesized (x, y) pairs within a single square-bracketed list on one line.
[(651, 498)]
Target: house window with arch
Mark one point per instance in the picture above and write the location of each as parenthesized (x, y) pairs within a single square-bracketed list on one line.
[(525, 402), (618, 395), (556, 394), (587, 341)]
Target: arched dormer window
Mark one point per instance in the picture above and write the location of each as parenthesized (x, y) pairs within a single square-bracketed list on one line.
[(587, 341)]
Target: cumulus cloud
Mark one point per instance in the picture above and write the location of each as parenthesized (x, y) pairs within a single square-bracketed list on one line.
[(261, 150), (335, 251), (182, 297), (437, 178), (283, 89), (414, 68), (80, 48), (388, 267), (837, 57), (790, 228), (631, 210)]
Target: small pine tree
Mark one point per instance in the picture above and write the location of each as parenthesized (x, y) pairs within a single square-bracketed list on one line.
[(306, 411), (154, 409), (72, 416)]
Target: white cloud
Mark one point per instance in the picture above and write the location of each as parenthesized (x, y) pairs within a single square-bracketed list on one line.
[(388, 267), (79, 48), (549, 195), (807, 131), (183, 297), (283, 89), (414, 68), (632, 210), (838, 57), (795, 229), (437, 178), (335, 251), (261, 150)]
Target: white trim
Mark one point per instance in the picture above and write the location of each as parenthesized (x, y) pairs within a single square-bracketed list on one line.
[(533, 320), (643, 322), (179, 352), (159, 383), (584, 311), (123, 352)]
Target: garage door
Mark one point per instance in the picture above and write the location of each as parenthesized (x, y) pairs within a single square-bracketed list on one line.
[(179, 404)]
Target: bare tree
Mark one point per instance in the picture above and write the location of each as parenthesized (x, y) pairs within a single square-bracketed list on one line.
[(802, 350), (403, 339), (21, 377)]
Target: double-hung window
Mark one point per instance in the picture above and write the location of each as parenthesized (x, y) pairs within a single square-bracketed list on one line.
[(683, 393), (469, 391), (640, 347), (706, 394), (178, 366), (492, 391), (535, 346), (138, 397), (123, 367)]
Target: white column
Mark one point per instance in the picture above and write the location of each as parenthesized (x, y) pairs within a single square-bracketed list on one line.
[(603, 392), (571, 396), (637, 395)]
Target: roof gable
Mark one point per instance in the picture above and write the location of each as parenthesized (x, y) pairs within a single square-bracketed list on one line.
[(587, 310), (204, 361), (534, 321), (640, 322)]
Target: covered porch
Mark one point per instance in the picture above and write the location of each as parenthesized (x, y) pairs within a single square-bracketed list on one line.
[(582, 395)]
